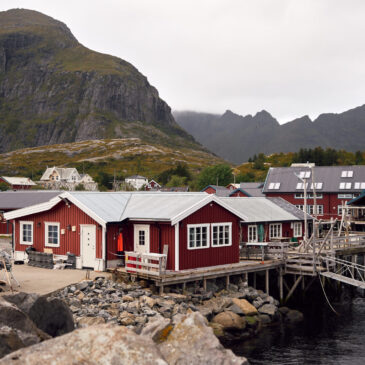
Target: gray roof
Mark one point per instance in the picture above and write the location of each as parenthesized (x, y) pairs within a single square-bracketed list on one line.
[(64, 172), (290, 208), (26, 181), (136, 177), (10, 200), (262, 209), (219, 190), (251, 185), (329, 176)]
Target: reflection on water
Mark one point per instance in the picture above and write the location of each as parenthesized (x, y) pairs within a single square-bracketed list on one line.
[(323, 338)]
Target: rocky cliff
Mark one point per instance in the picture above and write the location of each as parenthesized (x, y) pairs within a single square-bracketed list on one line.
[(55, 90)]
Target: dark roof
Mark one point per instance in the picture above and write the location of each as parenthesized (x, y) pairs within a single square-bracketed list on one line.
[(290, 208), (330, 177), (21, 199), (178, 189), (219, 190), (254, 192), (251, 185), (358, 199)]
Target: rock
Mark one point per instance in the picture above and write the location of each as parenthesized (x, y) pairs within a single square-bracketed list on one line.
[(192, 341), (217, 305), (96, 345), (294, 316), (178, 298), (23, 301), (126, 319), (157, 328), (269, 309), (12, 317), (235, 309), (218, 329), (9, 341), (233, 287), (252, 321), (52, 316), (147, 300), (247, 308), (258, 302), (284, 310), (230, 320), (90, 321), (127, 298), (81, 296), (265, 319)]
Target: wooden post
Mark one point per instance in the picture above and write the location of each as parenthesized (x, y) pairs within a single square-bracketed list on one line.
[(254, 280), (205, 284), (161, 290), (227, 282), (267, 281), (184, 286), (246, 277), (281, 289), (303, 284)]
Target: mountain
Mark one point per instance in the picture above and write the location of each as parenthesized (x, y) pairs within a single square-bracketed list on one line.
[(237, 138), (54, 90)]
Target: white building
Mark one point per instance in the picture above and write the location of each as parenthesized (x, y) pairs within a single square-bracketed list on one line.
[(137, 181)]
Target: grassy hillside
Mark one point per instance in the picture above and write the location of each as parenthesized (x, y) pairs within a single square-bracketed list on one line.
[(122, 156)]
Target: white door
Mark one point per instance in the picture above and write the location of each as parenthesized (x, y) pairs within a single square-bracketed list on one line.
[(142, 238), (88, 245)]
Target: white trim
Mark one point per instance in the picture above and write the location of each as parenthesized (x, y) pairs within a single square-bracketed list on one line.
[(85, 209), (103, 247), (248, 233), (177, 247), (296, 224), (281, 230), (223, 224), (38, 208), (188, 226), (46, 225), (21, 223)]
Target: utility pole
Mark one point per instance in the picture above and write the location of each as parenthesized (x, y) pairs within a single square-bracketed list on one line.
[(304, 181), (315, 211)]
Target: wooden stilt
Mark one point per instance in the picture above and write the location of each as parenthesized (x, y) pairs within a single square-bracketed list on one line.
[(293, 288), (161, 290), (254, 280), (281, 289), (286, 285), (267, 281), (205, 284), (227, 282), (246, 277), (184, 286), (303, 284)]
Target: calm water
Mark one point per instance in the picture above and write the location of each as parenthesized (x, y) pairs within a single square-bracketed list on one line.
[(323, 338)]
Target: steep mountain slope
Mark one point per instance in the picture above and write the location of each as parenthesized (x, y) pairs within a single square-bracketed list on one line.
[(55, 90), (236, 138)]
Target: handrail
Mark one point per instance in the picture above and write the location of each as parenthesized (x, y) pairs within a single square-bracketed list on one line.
[(152, 264)]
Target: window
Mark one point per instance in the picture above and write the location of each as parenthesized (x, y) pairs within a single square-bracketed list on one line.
[(198, 236), (141, 238), (344, 185), (300, 185), (252, 234), (347, 174), (221, 234), (310, 209), (359, 185), (275, 230), (301, 207), (309, 196), (297, 229), (52, 234), (317, 185), (305, 174), (344, 196), (339, 209), (26, 233), (274, 186)]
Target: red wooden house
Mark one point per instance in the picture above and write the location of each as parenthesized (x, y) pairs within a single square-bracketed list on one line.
[(17, 183), (217, 190), (200, 230)]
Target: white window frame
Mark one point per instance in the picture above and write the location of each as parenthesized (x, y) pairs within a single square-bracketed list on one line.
[(46, 225), (349, 173), (207, 226), (344, 196), (359, 185), (252, 226), (225, 224), (280, 230), (305, 174), (297, 229), (21, 223)]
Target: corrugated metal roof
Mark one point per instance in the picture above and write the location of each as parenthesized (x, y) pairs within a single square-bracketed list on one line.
[(219, 190), (329, 176), (260, 209), (290, 208), (251, 185), (22, 199)]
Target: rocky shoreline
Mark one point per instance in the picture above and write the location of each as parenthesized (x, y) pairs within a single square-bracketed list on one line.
[(234, 314), (178, 327)]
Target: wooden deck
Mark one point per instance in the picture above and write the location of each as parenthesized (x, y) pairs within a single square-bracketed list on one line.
[(212, 272)]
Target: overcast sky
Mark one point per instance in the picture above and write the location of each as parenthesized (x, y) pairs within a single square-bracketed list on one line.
[(289, 57)]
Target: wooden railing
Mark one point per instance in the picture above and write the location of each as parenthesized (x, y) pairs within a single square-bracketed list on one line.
[(264, 250), (151, 264), (341, 242)]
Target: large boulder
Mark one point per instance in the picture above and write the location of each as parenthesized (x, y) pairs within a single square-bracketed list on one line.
[(246, 307), (52, 315), (192, 342), (214, 305), (17, 327), (9, 341), (269, 309), (23, 301), (294, 316), (230, 320), (95, 345)]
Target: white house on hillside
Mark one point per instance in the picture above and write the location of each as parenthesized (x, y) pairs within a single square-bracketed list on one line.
[(137, 181), (54, 174)]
